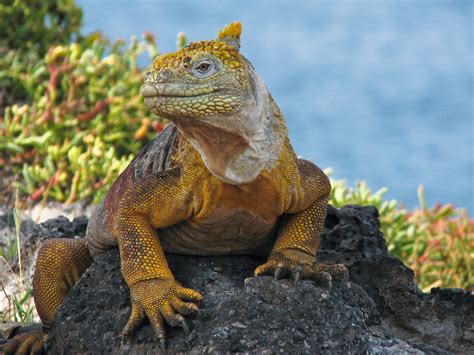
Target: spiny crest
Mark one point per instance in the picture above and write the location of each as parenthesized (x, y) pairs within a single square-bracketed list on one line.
[(225, 47), (227, 54), (230, 34)]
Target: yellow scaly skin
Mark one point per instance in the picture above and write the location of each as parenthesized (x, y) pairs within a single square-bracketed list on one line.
[(230, 184)]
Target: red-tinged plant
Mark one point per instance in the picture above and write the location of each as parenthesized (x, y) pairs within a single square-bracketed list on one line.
[(437, 243)]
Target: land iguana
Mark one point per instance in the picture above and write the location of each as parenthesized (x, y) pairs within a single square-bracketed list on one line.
[(221, 179)]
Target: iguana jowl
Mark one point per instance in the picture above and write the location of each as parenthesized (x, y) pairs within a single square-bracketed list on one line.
[(221, 179)]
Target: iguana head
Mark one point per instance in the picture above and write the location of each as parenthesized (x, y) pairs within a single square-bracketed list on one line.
[(203, 79), (217, 101)]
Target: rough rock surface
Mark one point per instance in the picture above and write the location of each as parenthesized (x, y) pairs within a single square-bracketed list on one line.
[(381, 310)]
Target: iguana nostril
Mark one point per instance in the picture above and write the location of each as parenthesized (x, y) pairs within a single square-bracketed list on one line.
[(165, 74)]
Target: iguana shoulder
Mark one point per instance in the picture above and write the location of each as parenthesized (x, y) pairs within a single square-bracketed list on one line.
[(153, 159)]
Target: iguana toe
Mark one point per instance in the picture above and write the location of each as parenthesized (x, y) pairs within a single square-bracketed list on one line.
[(323, 278), (161, 300), (137, 316), (185, 308), (339, 272), (26, 343), (299, 265)]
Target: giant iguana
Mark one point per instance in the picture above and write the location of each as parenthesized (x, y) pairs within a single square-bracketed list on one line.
[(221, 179)]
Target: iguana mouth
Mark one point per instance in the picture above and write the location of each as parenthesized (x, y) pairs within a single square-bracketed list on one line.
[(175, 90)]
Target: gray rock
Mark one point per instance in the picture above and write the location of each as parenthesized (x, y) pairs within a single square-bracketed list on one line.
[(380, 311), (441, 319), (239, 313), (32, 235)]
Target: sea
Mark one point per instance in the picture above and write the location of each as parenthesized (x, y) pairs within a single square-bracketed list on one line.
[(380, 91)]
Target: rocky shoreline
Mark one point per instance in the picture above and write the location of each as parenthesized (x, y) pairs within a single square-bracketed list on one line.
[(380, 310)]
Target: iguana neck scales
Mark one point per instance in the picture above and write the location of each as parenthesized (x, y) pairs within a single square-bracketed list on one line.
[(222, 179)]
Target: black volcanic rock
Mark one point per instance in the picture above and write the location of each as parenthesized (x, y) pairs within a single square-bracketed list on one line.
[(381, 310)]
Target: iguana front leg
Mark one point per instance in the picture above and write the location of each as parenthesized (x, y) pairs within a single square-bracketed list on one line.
[(298, 237), (155, 294)]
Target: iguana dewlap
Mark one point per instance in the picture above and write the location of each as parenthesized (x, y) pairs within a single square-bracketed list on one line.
[(221, 179)]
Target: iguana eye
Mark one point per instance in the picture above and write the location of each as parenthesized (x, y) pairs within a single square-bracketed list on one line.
[(203, 68)]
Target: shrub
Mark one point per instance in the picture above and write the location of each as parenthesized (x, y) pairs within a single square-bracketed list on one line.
[(436, 243), (81, 129), (27, 29), (35, 25)]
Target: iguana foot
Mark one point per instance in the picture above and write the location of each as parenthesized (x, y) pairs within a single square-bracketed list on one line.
[(25, 343), (160, 299), (299, 265)]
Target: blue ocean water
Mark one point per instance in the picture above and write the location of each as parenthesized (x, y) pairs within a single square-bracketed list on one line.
[(378, 90)]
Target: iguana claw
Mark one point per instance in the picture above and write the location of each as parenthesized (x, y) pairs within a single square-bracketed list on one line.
[(184, 325), (162, 340), (297, 274), (279, 271)]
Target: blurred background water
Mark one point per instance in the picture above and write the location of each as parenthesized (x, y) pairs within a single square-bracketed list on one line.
[(379, 90)]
